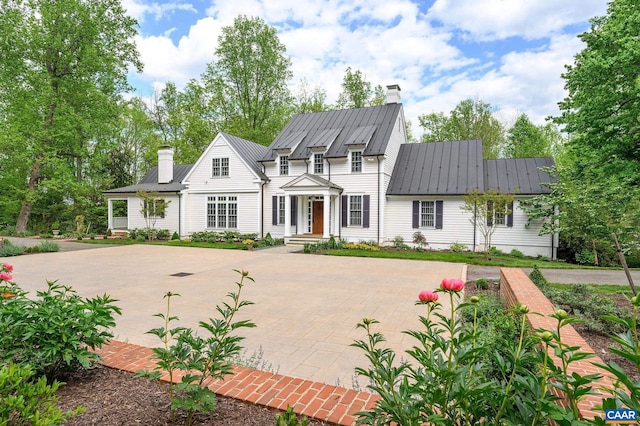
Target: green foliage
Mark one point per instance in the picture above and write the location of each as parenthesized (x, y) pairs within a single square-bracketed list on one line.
[(309, 100), (7, 249), (247, 81), (420, 239), (449, 381), (516, 253), (398, 243), (153, 208), (538, 279), (526, 140), (26, 401), (585, 257), (163, 234), (175, 236), (471, 119), (457, 247), (357, 91), (200, 358), (289, 418), (140, 238), (482, 284), (56, 331), (48, 247), (484, 208), (494, 251)]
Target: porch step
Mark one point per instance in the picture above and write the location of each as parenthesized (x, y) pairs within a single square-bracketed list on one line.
[(301, 240)]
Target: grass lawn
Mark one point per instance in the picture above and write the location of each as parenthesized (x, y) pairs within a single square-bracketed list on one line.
[(600, 288), (178, 243), (469, 258)]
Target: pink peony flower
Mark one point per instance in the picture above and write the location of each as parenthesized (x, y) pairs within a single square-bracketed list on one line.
[(428, 296), (7, 267), (5, 276), (452, 284)]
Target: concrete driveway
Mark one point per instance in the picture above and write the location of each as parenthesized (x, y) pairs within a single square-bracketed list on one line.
[(306, 307)]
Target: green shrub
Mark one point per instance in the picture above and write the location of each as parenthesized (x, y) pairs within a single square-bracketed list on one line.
[(517, 253), (108, 232), (585, 257), (398, 243), (163, 234), (538, 279), (458, 247), (8, 249), (54, 331), (133, 233), (494, 251), (141, 238), (25, 401), (289, 418), (332, 244), (48, 247), (482, 284), (175, 236)]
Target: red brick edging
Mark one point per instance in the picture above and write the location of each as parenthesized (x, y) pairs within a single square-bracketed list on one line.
[(312, 399), (516, 287)]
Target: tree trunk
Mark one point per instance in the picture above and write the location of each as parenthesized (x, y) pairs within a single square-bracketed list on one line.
[(27, 204)]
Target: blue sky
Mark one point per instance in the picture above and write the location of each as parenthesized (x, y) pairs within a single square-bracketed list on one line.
[(510, 53)]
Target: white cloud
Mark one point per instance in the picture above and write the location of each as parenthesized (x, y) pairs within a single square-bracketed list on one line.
[(138, 9), (499, 19)]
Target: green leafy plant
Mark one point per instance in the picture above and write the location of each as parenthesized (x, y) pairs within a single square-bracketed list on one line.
[(289, 418), (7, 249), (420, 239), (56, 331), (494, 251), (448, 381), (457, 247), (482, 284), (538, 279), (48, 247), (175, 236), (516, 253), (26, 401), (199, 358)]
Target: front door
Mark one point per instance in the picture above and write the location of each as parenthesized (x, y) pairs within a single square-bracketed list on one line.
[(318, 217)]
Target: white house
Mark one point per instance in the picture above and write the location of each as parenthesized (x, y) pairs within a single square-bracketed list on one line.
[(346, 173)]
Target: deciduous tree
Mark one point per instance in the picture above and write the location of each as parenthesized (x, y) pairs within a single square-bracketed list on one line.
[(357, 92), (489, 210), (526, 140)]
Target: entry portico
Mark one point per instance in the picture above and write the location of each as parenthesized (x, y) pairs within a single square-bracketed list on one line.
[(312, 201)]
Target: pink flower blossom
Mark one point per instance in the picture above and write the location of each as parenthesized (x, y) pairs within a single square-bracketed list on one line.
[(7, 267), (428, 296), (452, 284), (5, 276)]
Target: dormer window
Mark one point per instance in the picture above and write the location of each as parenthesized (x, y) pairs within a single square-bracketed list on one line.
[(356, 161), (318, 164), (284, 165)]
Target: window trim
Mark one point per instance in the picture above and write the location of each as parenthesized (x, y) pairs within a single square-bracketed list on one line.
[(425, 215), (221, 169), (351, 211), (150, 213), (416, 214), (283, 165), (318, 164), (214, 214), (359, 161)]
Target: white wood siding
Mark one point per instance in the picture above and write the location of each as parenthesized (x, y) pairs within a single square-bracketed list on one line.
[(171, 218), (248, 212), (398, 137), (457, 227)]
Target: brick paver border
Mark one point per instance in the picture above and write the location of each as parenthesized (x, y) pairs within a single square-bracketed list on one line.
[(323, 402)]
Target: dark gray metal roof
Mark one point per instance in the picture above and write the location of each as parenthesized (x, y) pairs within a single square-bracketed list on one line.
[(251, 152), (150, 183), (336, 131), (454, 168), (437, 168), (518, 175)]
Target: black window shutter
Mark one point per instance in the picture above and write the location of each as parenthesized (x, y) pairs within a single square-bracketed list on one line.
[(294, 210), (489, 213), (439, 214), (345, 201), (510, 215), (365, 210), (416, 214), (274, 210)]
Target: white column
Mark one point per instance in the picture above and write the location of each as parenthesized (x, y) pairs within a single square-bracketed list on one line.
[(325, 216), (287, 216), (110, 214), (182, 220)]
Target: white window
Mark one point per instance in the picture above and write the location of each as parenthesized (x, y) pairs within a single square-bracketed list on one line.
[(356, 161), (498, 213), (318, 164), (222, 212), (281, 211), (355, 210), (427, 214), (154, 209), (284, 165), (219, 167)]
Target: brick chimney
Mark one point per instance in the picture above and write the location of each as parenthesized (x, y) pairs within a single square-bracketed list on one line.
[(165, 164), (393, 94)]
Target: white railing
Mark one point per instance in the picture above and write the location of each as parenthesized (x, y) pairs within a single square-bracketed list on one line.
[(120, 223)]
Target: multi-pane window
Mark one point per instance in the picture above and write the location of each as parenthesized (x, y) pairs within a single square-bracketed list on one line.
[(318, 164), (427, 214), (284, 165), (356, 161), (499, 217), (219, 167), (222, 211), (155, 208), (355, 210), (497, 213), (281, 210)]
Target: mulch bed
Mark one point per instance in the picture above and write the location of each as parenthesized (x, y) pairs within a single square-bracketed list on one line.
[(115, 398)]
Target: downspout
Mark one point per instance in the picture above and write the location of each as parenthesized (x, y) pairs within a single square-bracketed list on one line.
[(262, 202), (379, 197), (179, 194), (475, 223)]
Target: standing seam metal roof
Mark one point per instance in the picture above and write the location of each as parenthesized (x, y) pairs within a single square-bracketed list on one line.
[(344, 124), (455, 168), (251, 152), (150, 181)]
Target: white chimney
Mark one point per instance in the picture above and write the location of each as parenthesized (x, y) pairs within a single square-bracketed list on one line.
[(393, 94), (165, 164)]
